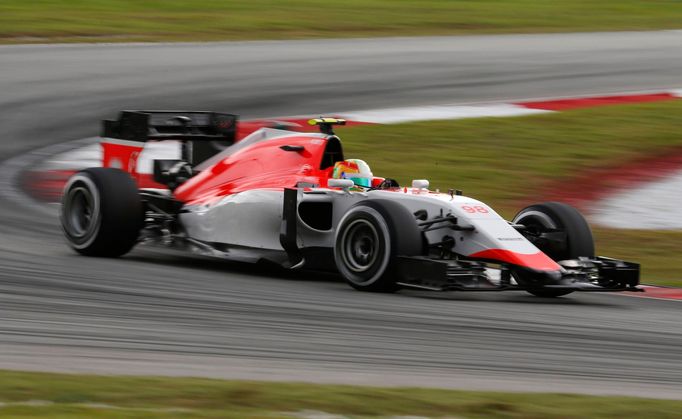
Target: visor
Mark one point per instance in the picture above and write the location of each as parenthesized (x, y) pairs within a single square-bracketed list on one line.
[(362, 181)]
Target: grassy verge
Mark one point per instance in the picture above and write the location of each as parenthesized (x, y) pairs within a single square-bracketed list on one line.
[(502, 160), (80, 396), (200, 20)]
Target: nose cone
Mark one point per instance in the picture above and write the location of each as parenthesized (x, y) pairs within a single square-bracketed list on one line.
[(552, 277)]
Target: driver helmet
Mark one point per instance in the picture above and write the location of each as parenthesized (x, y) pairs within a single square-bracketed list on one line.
[(354, 169)]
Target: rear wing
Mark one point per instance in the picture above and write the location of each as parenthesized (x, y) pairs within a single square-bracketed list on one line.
[(195, 130), (144, 126)]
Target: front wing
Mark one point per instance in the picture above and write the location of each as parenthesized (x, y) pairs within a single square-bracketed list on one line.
[(600, 274)]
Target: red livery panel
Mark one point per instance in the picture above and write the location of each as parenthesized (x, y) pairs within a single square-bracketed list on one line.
[(537, 261), (279, 163)]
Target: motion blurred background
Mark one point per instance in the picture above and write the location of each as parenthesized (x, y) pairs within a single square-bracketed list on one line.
[(618, 160), (215, 20)]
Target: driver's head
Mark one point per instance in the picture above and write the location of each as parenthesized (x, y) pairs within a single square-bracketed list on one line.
[(356, 170)]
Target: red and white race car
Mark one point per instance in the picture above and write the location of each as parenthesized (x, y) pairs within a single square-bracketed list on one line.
[(292, 198)]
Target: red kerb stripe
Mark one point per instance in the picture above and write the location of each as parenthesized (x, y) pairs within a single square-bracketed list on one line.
[(658, 292), (588, 102)]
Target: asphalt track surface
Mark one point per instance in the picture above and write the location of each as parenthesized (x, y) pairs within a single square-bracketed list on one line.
[(156, 312)]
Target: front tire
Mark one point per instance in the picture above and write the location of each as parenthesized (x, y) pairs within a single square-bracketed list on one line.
[(368, 241), (559, 231), (101, 212)]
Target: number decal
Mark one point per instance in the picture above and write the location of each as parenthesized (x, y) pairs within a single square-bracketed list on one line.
[(475, 209)]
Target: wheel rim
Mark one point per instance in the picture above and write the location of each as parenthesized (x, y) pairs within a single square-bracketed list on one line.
[(360, 249), (80, 211)]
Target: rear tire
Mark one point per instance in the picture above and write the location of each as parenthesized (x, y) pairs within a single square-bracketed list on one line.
[(368, 240), (101, 212), (577, 240)]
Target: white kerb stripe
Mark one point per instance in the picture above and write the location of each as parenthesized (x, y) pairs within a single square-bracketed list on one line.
[(676, 92), (429, 113)]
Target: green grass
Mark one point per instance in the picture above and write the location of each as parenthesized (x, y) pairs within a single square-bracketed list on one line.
[(200, 20), (83, 396), (503, 160)]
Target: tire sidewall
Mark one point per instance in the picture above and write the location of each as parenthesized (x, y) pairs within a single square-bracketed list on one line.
[(373, 275)]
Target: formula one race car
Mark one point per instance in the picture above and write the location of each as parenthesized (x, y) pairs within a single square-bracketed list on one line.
[(291, 197)]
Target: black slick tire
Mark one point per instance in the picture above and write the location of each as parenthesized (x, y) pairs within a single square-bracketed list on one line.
[(369, 238), (578, 240), (101, 212)]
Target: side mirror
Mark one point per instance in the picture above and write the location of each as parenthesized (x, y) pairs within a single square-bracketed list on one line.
[(344, 184)]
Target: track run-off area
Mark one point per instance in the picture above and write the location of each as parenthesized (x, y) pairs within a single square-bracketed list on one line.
[(163, 313)]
